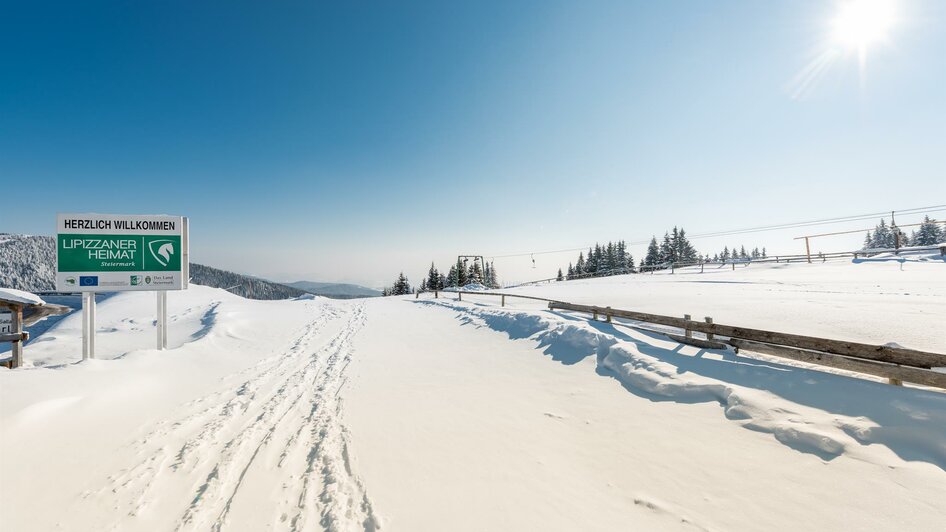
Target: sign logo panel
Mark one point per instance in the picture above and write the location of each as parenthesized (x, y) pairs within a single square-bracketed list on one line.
[(101, 252)]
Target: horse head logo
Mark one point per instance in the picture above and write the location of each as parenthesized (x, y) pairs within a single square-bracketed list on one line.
[(161, 250)]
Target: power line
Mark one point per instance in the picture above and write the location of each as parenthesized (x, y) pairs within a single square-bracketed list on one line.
[(730, 232)]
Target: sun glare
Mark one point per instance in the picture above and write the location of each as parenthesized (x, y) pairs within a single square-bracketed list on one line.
[(863, 22)]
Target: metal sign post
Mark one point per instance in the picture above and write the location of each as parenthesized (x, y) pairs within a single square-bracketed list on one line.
[(162, 319), (88, 325)]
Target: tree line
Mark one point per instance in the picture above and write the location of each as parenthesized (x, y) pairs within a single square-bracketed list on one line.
[(614, 259), (885, 236), (458, 276)]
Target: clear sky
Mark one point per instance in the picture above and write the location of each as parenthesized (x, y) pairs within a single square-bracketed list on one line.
[(349, 141)]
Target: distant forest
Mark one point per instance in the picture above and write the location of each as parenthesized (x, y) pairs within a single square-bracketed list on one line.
[(885, 236), (613, 258), (459, 275)]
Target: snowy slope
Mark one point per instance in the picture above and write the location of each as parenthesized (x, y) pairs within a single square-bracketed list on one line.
[(423, 414)]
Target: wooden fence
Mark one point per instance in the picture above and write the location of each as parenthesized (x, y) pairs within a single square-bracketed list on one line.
[(896, 364)]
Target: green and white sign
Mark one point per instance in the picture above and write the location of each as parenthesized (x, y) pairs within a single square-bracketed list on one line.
[(107, 253)]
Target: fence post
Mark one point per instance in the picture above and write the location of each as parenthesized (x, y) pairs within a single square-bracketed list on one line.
[(504, 300), (709, 336), (671, 268), (16, 314), (701, 267), (687, 332), (609, 315), (807, 250), (594, 315), (733, 266), (436, 294)]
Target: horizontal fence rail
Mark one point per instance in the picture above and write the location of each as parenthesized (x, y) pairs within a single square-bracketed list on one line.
[(881, 353), (897, 364)]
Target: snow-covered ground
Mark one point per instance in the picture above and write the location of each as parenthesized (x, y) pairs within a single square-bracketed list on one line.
[(423, 414)]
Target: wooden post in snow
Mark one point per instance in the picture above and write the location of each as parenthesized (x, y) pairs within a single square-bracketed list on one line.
[(687, 332), (609, 314), (807, 250), (17, 326), (709, 335)]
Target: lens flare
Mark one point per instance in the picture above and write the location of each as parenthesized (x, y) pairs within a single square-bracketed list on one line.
[(863, 22)]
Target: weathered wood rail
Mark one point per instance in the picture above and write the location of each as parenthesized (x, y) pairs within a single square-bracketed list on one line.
[(897, 364)]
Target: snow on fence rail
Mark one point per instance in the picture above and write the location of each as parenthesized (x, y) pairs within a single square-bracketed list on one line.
[(897, 364)]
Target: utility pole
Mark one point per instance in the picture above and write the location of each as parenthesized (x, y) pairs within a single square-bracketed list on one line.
[(896, 231)]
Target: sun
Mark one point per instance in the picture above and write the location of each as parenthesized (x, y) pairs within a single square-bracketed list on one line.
[(860, 23)]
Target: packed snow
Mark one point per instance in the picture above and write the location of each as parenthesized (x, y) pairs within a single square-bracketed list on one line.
[(12, 295), (407, 413)]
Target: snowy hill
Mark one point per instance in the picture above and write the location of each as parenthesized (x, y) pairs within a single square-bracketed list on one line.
[(29, 263), (429, 414), (335, 290)]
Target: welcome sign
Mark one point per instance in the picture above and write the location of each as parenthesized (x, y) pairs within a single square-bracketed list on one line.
[(106, 253)]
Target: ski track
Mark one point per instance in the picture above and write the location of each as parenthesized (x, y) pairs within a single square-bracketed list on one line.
[(281, 416)]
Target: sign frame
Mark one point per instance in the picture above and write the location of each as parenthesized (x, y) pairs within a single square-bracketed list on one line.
[(116, 252)]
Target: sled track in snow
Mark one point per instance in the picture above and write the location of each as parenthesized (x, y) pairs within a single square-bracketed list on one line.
[(274, 430)]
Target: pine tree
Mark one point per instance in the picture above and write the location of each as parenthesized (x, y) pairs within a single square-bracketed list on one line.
[(559, 277), (452, 277), (461, 274), (763, 253), (433, 278), (492, 280), (883, 238), (666, 249), (580, 266), (621, 256), (930, 233), (474, 274), (401, 286), (685, 250), (653, 253)]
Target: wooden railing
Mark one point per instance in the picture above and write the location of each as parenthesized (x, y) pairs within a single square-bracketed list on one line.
[(897, 364)]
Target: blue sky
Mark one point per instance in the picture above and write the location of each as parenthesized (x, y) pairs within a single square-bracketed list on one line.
[(350, 141)]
